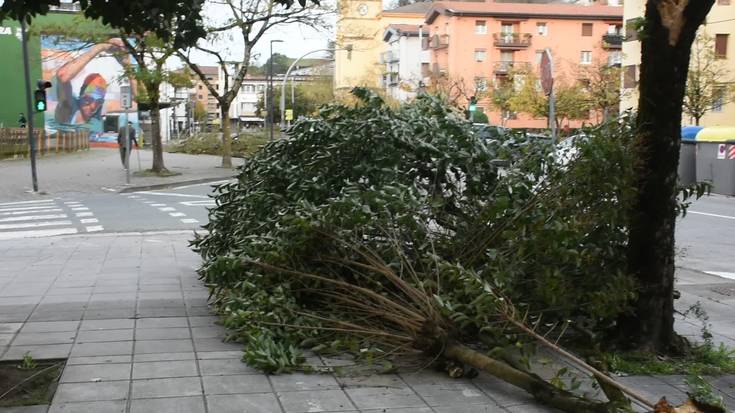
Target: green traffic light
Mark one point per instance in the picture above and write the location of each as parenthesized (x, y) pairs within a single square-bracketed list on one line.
[(473, 108), (41, 106)]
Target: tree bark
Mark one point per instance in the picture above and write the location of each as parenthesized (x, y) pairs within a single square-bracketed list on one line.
[(226, 140), (670, 27), (156, 143)]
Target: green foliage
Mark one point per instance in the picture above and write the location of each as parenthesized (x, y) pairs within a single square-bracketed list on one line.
[(309, 97), (200, 112), (701, 391), (243, 146), (28, 363), (418, 189), (705, 359)]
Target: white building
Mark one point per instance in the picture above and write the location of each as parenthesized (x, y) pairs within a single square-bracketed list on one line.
[(404, 61)]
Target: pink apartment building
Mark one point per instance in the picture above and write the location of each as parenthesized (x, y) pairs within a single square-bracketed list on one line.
[(479, 42)]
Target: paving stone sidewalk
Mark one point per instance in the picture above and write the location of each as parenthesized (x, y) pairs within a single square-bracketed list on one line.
[(99, 171), (131, 316)]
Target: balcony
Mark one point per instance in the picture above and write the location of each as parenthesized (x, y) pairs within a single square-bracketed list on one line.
[(512, 40), (438, 41), (388, 57), (504, 68), (612, 40), (390, 79)]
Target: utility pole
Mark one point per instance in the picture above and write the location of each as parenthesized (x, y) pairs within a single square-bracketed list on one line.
[(29, 105)]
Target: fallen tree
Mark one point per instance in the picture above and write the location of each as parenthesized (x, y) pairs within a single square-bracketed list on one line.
[(383, 231)]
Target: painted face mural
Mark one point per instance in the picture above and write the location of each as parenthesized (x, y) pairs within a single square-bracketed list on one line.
[(86, 83)]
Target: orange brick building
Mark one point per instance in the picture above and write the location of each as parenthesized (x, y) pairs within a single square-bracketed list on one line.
[(478, 43)]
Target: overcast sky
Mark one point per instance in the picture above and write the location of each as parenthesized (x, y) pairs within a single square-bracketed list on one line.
[(297, 39)]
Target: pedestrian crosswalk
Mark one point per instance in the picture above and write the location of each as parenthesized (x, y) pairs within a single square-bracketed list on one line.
[(45, 218)]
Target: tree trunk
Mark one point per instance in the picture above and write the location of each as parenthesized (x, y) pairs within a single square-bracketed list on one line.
[(666, 46), (156, 143), (226, 140)]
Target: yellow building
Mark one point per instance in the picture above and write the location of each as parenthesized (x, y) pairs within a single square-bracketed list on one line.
[(720, 26), (359, 42)]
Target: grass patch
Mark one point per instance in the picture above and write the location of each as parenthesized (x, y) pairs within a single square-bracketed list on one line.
[(149, 172), (27, 384), (243, 146), (705, 359)]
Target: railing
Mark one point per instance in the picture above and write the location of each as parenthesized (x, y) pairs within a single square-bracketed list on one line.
[(388, 57), (512, 40), (612, 41), (439, 41), (390, 79), (14, 142), (503, 68)]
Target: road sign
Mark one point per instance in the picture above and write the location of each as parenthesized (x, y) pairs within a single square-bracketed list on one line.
[(721, 151), (126, 97), (547, 71), (289, 114)]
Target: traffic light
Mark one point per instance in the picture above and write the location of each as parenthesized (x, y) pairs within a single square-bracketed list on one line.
[(39, 96)]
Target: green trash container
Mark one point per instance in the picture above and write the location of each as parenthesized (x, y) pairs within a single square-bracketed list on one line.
[(716, 158)]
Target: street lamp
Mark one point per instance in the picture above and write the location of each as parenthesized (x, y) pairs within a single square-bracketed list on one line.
[(270, 88)]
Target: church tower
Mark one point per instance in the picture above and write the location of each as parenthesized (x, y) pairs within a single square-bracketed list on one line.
[(359, 31)]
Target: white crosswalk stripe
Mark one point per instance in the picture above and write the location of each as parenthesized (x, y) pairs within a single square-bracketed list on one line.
[(45, 218)]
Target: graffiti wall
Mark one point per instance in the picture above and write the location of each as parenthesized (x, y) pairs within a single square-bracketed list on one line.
[(85, 92)]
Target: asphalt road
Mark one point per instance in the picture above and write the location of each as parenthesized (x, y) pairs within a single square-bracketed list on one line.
[(705, 236)]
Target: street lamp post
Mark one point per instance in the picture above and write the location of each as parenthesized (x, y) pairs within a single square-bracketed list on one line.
[(270, 88)]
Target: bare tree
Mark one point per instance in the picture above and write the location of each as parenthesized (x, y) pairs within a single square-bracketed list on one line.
[(602, 84), (707, 83), (248, 21)]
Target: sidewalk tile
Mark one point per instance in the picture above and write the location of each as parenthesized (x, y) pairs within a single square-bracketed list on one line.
[(163, 369), (24, 409), (531, 408), (384, 397), (138, 358), (102, 349), (315, 401), (163, 346), (44, 338), (95, 372), (48, 351), (49, 326), (98, 360), (215, 344), (222, 367), (56, 316), (169, 405), (210, 355), (417, 410), (98, 336), (451, 394), (300, 381), (161, 312), (238, 403), (117, 406), (162, 333), (111, 324), (168, 387), (377, 380), (109, 313), (202, 321), (79, 392), (162, 322), (236, 384), (209, 332)]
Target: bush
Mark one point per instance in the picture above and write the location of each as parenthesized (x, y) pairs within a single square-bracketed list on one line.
[(417, 188), (243, 146)]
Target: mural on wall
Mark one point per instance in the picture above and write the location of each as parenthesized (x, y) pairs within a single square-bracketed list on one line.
[(86, 83)]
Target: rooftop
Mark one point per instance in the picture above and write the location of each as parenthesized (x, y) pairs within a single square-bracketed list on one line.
[(524, 10), (415, 8)]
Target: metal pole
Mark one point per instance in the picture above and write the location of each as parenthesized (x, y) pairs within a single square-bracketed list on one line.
[(285, 80), (127, 147), (29, 104), (270, 92), (552, 116)]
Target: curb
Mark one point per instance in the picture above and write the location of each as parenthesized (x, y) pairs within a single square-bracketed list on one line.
[(173, 184)]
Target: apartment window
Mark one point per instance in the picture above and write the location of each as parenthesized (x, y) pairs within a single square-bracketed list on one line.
[(631, 29), (506, 28), (586, 29), (629, 75), (480, 27), (585, 57), (480, 55), (718, 98), (615, 57), (200, 87), (613, 29), (539, 55), (480, 84), (542, 29), (506, 56), (723, 2), (425, 69), (201, 97), (261, 88), (721, 46)]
